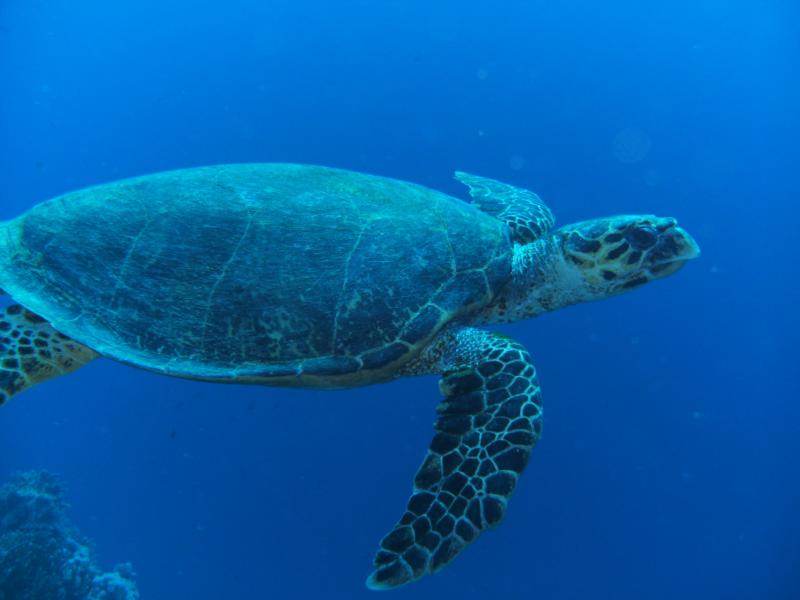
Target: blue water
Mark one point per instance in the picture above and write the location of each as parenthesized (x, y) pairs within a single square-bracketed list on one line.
[(668, 467)]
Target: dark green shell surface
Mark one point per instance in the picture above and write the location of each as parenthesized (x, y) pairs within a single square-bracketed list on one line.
[(292, 273)]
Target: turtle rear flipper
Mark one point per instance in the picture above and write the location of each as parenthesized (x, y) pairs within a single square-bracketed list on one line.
[(490, 419), (31, 351)]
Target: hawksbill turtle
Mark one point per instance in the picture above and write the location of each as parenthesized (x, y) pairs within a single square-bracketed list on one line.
[(297, 275)]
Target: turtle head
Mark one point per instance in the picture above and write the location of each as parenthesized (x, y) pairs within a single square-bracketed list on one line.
[(616, 254), (590, 260)]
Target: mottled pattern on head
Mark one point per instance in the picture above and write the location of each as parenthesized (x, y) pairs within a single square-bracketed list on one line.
[(616, 254), (588, 261)]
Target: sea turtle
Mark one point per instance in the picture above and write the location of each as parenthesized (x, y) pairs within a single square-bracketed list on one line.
[(297, 275)]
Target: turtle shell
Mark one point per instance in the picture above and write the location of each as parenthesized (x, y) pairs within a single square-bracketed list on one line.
[(297, 274)]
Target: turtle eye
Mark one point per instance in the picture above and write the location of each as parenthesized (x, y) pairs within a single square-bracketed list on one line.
[(642, 237)]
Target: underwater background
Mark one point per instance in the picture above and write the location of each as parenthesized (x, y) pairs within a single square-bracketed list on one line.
[(668, 466)]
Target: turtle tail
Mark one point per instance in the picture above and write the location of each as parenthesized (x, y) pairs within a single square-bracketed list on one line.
[(31, 351)]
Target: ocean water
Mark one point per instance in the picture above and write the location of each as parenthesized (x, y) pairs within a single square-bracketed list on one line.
[(668, 466)]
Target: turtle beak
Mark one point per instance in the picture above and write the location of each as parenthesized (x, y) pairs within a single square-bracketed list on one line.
[(688, 247), (673, 249)]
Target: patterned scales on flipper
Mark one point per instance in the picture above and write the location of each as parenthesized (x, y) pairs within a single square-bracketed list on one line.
[(489, 421), (522, 210), (31, 351)]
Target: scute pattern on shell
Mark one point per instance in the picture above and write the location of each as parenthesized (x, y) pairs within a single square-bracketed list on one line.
[(256, 270)]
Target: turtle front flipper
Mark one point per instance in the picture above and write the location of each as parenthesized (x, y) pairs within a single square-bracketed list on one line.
[(31, 351), (490, 419), (526, 215)]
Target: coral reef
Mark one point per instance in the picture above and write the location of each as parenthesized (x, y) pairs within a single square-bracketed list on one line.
[(43, 556)]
